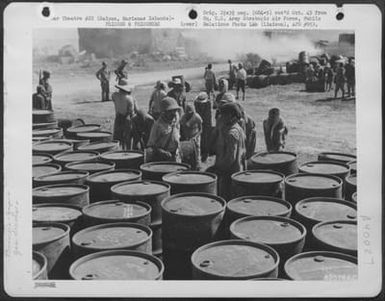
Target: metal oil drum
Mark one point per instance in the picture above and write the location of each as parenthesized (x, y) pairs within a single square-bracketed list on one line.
[(339, 236), (100, 147), (283, 234), (234, 260), (350, 186), (336, 157), (54, 133), (100, 183), (117, 265), (39, 266), (257, 182), (69, 194), (354, 197), (302, 186), (340, 170), (157, 245), (283, 162), (322, 266), (75, 156), (114, 211), (44, 169), (61, 177), (92, 166), (113, 236), (51, 147), (191, 181), (45, 125), (41, 139), (353, 167), (75, 142), (41, 159), (130, 159), (100, 136), (156, 170), (53, 241), (42, 116), (150, 192), (72, 132)]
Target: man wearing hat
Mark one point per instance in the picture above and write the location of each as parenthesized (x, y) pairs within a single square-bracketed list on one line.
[(241, 80), (228, 144), (163, 144), (46, 89), (120, 72), (157, 95), (103, 75), (203, 108), (125, 109), (177, 92)]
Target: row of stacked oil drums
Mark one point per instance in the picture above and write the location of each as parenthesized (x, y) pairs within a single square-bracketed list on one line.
[(102, 213)]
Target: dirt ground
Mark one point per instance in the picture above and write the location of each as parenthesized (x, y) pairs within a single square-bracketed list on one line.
[(316, 122)]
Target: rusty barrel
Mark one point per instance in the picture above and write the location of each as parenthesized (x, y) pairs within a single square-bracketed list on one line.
[(45, 125), (44, 169), (75, 156), (130, 159), (114, 211), (92, 166), (156, 170), (39, 266), (101, 136), (72, 132), (42, 116), (41, 159), (51, 147), (354, 197), (58, 213), (100, 183), (322, 265), (302, 186), (336, 157), (350, 186), (117, 265), (61, 177), (53, 241), (100, 147), (234, 260), (68, 194), (283, 162), (75, 142), (113, 236), (338, 169), (150, 192), (353, 167), (283, 234), (257, 182), (191, 181), (54, 133), (338, 236)]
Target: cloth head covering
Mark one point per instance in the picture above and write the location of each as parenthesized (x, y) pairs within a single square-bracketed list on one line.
[(168, 104), (227, 98), (46, 73), (232, 109), (202, 96)]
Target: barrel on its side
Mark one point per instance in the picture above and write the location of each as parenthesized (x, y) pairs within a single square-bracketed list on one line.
[(44, 125), (156, 170), (191, 181), (61, 177), (129, 159), (336, 157), (283, 162), (75, 142), (39, 266)]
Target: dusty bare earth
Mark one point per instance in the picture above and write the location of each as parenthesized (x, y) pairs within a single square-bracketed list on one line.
[(316, 121)]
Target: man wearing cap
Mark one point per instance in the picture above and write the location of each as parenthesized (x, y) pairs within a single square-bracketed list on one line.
[(46, 89), (177, 92), (203, 108), (103, 75), (229, 148), (157, 95), (241, 80), (120, 72), (125, 109), (163, 144), (210, 80)]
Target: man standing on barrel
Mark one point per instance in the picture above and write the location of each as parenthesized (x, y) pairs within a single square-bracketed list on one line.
[(103, 75)]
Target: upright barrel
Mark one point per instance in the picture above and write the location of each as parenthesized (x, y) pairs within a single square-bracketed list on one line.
[(350, 186), (302, 186), (191, 181), (322, 265), (75, 156), (53, 241), (117, 265), (338, 169), (39, 170), (257, 182), (92, 167), (101, 136), (100, 183), (234, 260), (114, 211), (336, 157), (338, 235), (353, 167), (100, 147), (61, 177), (51, 147), (41, 159), (72, 132), (39, 266), (54, 133), (42, 116), (36, 140), (129, 159), (156, 170), (283, 162), (68, 194)]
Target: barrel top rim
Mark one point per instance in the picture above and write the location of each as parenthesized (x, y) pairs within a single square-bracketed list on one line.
[(85, 188), (159, 183), (166, 177), (62, 226), (335, 178), (257, 171), (57, 156), (324, 162), (56, 205), (62, 172), (339, 154), (43, 262), (56, 141), (146, 166), (323, 200), (234, 201), (103, 144), (91, 178), (262, 154), (349, 179), (72, 129), (86, 209)]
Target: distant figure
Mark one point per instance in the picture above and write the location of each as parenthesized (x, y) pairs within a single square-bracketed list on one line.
[(222, 88), (191, 130), (329, 76), (103, 75), (232, 74), (310, 74), (46, 89), (210, 81), (157, 95), (164, 141), (351, 77), (38, 100), (177, 92), (340, 80), (203, 108), (142, 124), (120, 72), (275, 131), (125, 109), (241, 80), (249, 128)]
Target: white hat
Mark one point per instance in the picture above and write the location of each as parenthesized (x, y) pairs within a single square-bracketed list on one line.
[(124, 85)]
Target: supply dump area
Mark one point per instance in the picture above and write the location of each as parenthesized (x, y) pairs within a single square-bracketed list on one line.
[(101, 213)]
